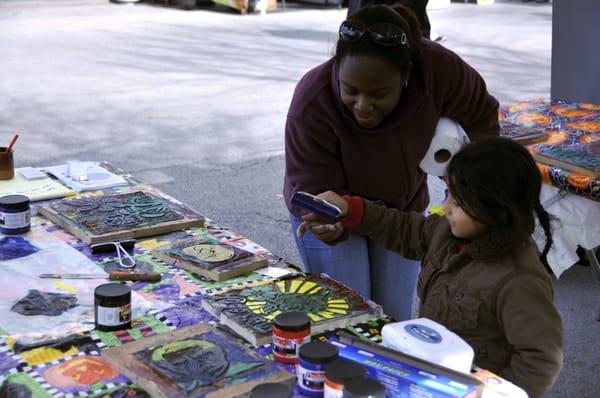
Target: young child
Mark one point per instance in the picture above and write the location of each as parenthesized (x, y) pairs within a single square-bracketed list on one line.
[(481, 274)]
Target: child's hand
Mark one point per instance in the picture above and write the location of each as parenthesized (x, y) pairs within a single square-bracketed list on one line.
[(322, 229)]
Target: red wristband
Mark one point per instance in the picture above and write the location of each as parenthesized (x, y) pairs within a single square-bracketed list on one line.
[(356, 210)]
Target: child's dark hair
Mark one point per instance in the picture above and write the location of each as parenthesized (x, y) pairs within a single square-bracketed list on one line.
[(399, 56), (496, 182)]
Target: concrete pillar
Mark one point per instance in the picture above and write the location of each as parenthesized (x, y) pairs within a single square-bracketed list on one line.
[(576, 50)]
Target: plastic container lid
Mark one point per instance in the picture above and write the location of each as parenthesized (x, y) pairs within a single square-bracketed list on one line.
[(363, 388), (341, 370), (14, 201), (292, 321), (114, 291), (318, 352), (271, 390)]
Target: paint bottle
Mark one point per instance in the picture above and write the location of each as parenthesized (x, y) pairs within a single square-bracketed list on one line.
[(15, 214), (337, 373), (311, 368), (290, 331), (363, 388), (271, 390), (112, 304)]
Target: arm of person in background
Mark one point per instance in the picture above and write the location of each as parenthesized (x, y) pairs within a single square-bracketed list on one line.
[(465, 97), (533, 327), (407, 233)]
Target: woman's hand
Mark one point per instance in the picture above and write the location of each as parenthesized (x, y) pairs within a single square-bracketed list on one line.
[(322, 229)]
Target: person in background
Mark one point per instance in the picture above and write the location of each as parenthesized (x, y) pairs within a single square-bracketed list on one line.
[(481, 276), (360, 123), (418, 7)]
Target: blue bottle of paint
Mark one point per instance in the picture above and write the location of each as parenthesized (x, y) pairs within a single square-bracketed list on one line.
[(15, 214), (311, 368)]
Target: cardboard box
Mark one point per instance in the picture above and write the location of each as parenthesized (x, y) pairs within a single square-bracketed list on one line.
[(407, 377)]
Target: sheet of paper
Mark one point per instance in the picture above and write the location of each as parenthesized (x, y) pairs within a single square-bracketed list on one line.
[(22, 259), (38, 189), (97, 177)]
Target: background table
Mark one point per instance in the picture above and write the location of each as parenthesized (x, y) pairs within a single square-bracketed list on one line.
[(571, 198)]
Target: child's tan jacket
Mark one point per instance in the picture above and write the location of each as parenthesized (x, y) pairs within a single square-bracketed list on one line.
[(493, 292)]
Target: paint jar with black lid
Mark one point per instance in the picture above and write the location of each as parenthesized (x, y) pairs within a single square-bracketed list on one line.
[(271, 390), (311, 368), (15, 214), (112, 305), (337, 373), (290, 331), (363, 388)]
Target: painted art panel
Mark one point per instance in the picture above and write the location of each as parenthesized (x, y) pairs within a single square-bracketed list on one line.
[(106, 214), (329, 304), (210, 258), (197, 361), (584, 159), (101, 218)]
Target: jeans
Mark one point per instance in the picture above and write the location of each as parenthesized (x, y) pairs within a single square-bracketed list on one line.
[(367, 267)]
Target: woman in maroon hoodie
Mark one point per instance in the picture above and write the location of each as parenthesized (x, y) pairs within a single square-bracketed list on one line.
[(360, 124)]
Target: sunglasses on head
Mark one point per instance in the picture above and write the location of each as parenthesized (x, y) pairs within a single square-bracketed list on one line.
[(382, 33)]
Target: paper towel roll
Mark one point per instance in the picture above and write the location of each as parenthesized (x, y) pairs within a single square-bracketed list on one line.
[(448, 138)]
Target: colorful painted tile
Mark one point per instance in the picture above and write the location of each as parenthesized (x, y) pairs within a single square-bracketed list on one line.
[(107, 218), (19, 385), (186, 312), (218, 363), (329, 304), (140, 328), (81, 375)]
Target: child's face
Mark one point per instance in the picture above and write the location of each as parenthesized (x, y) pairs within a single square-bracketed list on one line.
[(462, 225)]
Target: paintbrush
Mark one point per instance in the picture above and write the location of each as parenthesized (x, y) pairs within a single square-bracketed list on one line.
[(12, 143), (113, 276)]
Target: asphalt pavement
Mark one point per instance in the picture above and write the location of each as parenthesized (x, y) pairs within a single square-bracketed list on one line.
[(194, 102)]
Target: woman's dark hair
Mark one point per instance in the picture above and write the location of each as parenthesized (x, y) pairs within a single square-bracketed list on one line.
[(496, 182), (399, 56)]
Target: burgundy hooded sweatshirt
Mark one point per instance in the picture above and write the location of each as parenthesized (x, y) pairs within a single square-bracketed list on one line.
[(325, 149)]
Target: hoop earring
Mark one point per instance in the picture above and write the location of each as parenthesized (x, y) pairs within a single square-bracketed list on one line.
[(405, 84)]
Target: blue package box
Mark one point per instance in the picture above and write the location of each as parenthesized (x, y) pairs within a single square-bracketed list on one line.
[(404, 376)]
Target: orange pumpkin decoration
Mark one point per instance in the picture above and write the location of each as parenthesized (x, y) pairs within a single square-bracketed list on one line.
[(587, 105), (534, 119), (521, 106), (586, 139), (556, 137), (564, 111), (590, 126), (579, 180), (545, 172)]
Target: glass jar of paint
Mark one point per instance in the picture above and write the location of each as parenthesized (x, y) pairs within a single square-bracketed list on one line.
[(112, 305), (15, 214), (363, 388), (337, 373), (311, 367), (290, 331), (271, 390)]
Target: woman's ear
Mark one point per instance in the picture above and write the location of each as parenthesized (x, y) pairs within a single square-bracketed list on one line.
[(407, 75)]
